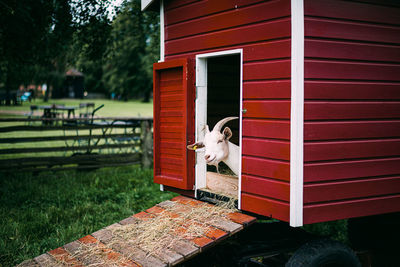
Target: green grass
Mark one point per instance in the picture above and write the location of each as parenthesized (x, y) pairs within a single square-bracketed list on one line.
[(43, 212), (111, 107)]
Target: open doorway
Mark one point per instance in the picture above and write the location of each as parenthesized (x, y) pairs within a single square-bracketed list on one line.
[(219, 87)]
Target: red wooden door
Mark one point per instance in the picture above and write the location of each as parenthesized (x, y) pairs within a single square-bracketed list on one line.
[(174, 96)]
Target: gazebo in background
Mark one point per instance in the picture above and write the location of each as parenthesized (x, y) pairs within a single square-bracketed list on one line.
[(73, 85)]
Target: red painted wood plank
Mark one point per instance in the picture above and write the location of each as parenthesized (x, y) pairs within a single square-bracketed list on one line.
[(241, 218), (389, 3), (171, 120), (172, 161), (171, 136), (369, 187), (318, 151), (267, 50), (267, 109), (170, 152), (266, 167), (174, 81), (144, 216), (274, 149), (187, 201), (267, 70), (171, 104), (351, 90), (351, 130), (177, 3), (169, 129), (322, 69), (325, 110), (202, 8), (263, 50), (339, 170), (264, 206), (216, 234), (350, 31), (168, 170), (350, 50), (229, 19), (171, 97), (352, 11), (173, 145), (171, 74), (255, 32), (266, 128), (61, 255), (350, 209), (267, 89), (266, 187)]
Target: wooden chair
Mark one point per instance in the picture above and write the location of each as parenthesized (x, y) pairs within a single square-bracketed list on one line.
[(31, 114), (87, 109)]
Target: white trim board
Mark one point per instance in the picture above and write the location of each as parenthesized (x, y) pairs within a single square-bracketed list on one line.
[(297, 114), (146, 3), (201, 114), (162, 48), (162, 32)]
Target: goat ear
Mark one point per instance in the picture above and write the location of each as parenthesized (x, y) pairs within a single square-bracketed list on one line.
[(195, 146), (227, 133)]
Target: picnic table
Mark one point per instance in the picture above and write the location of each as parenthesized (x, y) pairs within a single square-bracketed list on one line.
[(50, 111), (54, 111)]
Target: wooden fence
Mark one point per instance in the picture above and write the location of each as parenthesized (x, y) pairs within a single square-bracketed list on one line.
[(37, 144)]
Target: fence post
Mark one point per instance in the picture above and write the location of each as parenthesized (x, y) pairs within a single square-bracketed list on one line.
[(147, 142)]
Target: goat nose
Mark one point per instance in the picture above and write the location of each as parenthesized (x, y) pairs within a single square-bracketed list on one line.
[(207, 157)]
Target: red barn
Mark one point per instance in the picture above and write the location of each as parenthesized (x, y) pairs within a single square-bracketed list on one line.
[(316, 84)]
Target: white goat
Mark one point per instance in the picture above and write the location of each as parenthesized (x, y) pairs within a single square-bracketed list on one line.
[(217, 146)]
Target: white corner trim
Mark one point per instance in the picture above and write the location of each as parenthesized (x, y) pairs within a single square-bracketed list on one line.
[(146, 3), (297, 114), (162, 32)]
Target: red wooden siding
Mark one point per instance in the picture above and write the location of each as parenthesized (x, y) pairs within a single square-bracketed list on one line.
[(351, 109), (262, 29), (173, 124)]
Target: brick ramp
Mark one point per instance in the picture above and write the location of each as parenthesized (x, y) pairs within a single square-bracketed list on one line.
[(104, 248)]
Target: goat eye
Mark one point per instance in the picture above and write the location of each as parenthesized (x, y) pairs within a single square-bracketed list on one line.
[(219, 141)]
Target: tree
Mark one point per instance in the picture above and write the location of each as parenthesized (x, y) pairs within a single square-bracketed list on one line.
[(24, 31), (92, 29), (40, 39), (131, 52), (88, 49), (36, 38)]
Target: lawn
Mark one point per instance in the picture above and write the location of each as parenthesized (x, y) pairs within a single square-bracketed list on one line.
[(111, 107), (45, 211)]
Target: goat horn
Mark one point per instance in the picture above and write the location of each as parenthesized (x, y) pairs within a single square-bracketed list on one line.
[(221, 123)]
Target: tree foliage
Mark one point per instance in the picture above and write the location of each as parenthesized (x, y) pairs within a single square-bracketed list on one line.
[(30, 39), (130, 50), (40, 39)]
